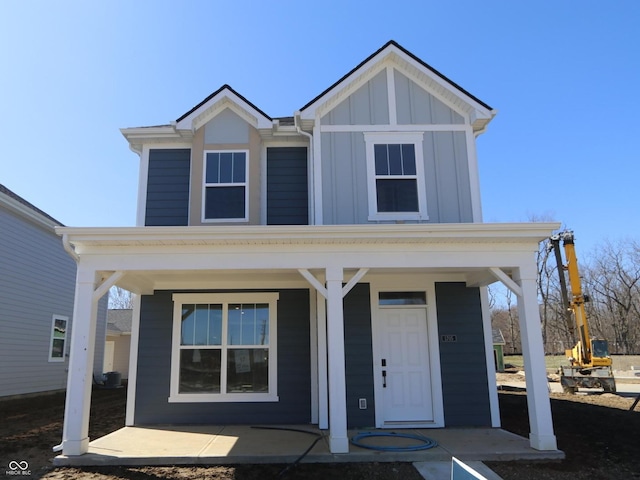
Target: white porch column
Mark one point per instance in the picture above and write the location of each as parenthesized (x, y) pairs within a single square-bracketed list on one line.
[(541, 436), (75, 436), (323, 390), (338, 440)]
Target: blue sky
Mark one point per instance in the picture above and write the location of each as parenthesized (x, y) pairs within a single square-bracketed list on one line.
[(564, 77)]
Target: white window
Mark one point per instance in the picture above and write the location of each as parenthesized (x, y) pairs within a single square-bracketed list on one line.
[(58, 343), (224, 347), (225, 195), (395, 172)]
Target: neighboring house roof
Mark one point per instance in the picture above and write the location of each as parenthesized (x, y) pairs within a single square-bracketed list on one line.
[(498, 338), (119, 321), (12, 199)]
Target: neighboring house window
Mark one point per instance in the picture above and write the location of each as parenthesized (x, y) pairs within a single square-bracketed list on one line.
[(396, 181), (224, 347), (58, 344), (225, 186)]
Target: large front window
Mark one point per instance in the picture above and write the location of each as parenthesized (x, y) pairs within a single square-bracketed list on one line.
[(225, 186), (224, 347), (396, 176)]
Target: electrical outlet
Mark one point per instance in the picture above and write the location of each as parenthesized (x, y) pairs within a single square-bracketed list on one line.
[(362, 403)]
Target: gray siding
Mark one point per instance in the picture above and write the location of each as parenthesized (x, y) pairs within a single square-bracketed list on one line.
[(344, 178), (287, 186), (464, 374), (414, 105), (447, 176), (168, 187), (359, 356), (154, 370), (226, 127), (368, 105), (37, 280)]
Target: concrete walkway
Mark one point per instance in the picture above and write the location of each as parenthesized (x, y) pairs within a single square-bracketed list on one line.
[(218, 445)]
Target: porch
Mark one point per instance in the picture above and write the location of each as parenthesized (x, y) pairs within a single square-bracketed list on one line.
[(234, 444)]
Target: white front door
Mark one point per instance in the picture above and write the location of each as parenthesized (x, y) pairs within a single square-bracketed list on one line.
[(109, 351), (404, 366)]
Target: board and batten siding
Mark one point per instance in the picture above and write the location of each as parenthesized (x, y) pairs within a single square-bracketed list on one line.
[(344, 163), (287, 186), (154, 369), (359, 357), (168, 187), (368, 105), (37, 281), (463, 361), (344, 178)]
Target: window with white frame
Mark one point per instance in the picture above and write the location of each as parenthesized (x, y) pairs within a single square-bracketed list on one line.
[(225, 185), (396, 181), (58, 343), (224, 347)]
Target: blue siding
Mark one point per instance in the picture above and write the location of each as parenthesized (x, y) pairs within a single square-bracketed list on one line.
[(287, 186), (154, 370), (359, 356), (168, 187), (465, 386)]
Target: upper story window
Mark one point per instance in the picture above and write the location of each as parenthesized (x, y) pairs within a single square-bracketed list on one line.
[(396, 181), (225, 196)]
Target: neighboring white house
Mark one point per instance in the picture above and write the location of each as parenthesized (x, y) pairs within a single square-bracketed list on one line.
[(118, 342), (37, 283), (327, 268)]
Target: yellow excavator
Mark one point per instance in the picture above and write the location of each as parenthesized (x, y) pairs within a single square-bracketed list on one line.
[(589, 361)]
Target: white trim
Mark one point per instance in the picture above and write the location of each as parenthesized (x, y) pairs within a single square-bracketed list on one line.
[(52, 337), (415, 138), (143, 179), (401, 284), (323, 381), (491, 367), (395, 128), (225, 299), (205, 185), (317, 174), (133, 362), (474, 175), (391, 96)]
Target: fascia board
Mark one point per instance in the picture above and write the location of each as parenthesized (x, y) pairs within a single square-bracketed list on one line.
[(529, 233), (261, 121)]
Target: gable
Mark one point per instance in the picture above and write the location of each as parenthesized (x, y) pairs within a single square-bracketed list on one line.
[(226, 127)]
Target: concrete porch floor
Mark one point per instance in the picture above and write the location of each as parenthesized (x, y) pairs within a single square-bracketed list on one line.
[(238, 444)]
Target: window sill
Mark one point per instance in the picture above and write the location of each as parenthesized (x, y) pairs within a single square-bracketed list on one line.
[(220, 398), (398, 217)]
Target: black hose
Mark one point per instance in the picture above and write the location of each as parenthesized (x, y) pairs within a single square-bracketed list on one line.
[(299, 430)]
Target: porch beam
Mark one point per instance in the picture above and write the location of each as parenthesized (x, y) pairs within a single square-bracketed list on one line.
[(313, 281), (354, 280), (541, 436), (506, 280), (104, 287), (75, 436), (338, 440)]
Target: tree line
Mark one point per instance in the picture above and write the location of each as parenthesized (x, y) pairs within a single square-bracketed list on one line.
[(610, 278)]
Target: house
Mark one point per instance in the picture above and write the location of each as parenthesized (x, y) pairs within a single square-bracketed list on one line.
[(326, 268), (37, 284), (498, 349), (118, 342)]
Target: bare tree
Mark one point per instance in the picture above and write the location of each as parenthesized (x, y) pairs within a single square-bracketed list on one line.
[(119, 298)]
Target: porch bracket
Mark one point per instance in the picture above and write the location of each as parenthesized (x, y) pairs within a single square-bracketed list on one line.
[(106, 285), (507, 281), (355, 279), (314, 282)]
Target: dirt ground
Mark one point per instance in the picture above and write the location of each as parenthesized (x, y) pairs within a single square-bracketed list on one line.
[(598, 433)]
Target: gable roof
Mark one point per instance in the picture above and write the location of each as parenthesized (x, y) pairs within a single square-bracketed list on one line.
[(119, 320), (18, 203), (223, 97), (483, 111)]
